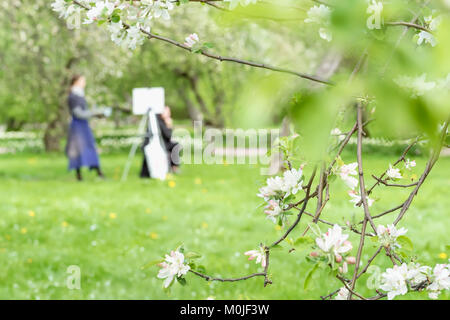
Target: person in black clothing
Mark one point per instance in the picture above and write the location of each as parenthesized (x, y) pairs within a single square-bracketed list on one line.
[(165, 124)]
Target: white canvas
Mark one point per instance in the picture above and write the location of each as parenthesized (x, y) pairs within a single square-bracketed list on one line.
[(145, 98)]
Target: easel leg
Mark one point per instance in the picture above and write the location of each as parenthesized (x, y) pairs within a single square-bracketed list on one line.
[(134, 147)]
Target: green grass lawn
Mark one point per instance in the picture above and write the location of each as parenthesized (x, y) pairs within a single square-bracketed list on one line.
[(48, 221)]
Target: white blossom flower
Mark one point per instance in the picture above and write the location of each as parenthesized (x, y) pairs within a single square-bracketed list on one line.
[(117, 32), (418, 85), (325, 34), (272, 188), (259, 255), (426, 37), (375, 20), (417, 274), (292, 181), (387, 236), (172, 266), (282, 187), (321, 15), (356, 198), (342, 294), (393, 173), (191, 40), (273, 210), (410, 164), (346, 171), (338, 133), (431, 22), (100, 10), (333, 241), (393, 281), (134, 37), (64, 9), (440, 280)]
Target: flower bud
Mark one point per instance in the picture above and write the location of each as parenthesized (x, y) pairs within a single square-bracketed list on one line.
[(338, 258), (351, 260), (314, 254)]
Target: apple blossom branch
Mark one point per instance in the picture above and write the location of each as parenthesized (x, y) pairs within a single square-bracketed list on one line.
[(224, 58)]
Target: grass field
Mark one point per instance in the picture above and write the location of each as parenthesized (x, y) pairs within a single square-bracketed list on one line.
[(48, 221)]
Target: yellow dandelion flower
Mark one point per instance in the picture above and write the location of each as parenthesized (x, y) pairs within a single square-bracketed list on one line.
[(148, 210), (204, 190), (32, 161), (204, 225), (31, 213), (172, 184), (8, 237), (225, 163), (112, 215), (65, 224), (29, 260), (443, 255), (153, 235), (198, 181), (2, 250), (278, 228), (164, 218), (23, 230)]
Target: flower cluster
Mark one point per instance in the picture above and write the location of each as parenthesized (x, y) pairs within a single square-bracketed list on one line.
[(418, 86), (397, 280), (321, 15), (342, 294), (387, 236), (191, 40), (173, 266), (278, 191), (440, 280), (410, 164), (427, 37), (393, 173), (333, 246), (356, 199), (127, 21), (347, 172)]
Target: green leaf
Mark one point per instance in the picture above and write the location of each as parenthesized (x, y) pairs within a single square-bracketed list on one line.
[(315, 229), (303, 241), (181, 281), (115, 18), (276, 247), (151, 263), (405, 242), (373, 282), (307, 283), (192, 255), (201, 269)]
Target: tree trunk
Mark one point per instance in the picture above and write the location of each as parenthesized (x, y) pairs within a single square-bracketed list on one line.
[(193, 112), (55, 130), (57, 125)]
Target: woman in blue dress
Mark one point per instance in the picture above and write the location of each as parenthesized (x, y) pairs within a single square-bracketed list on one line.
[(81, 149)]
